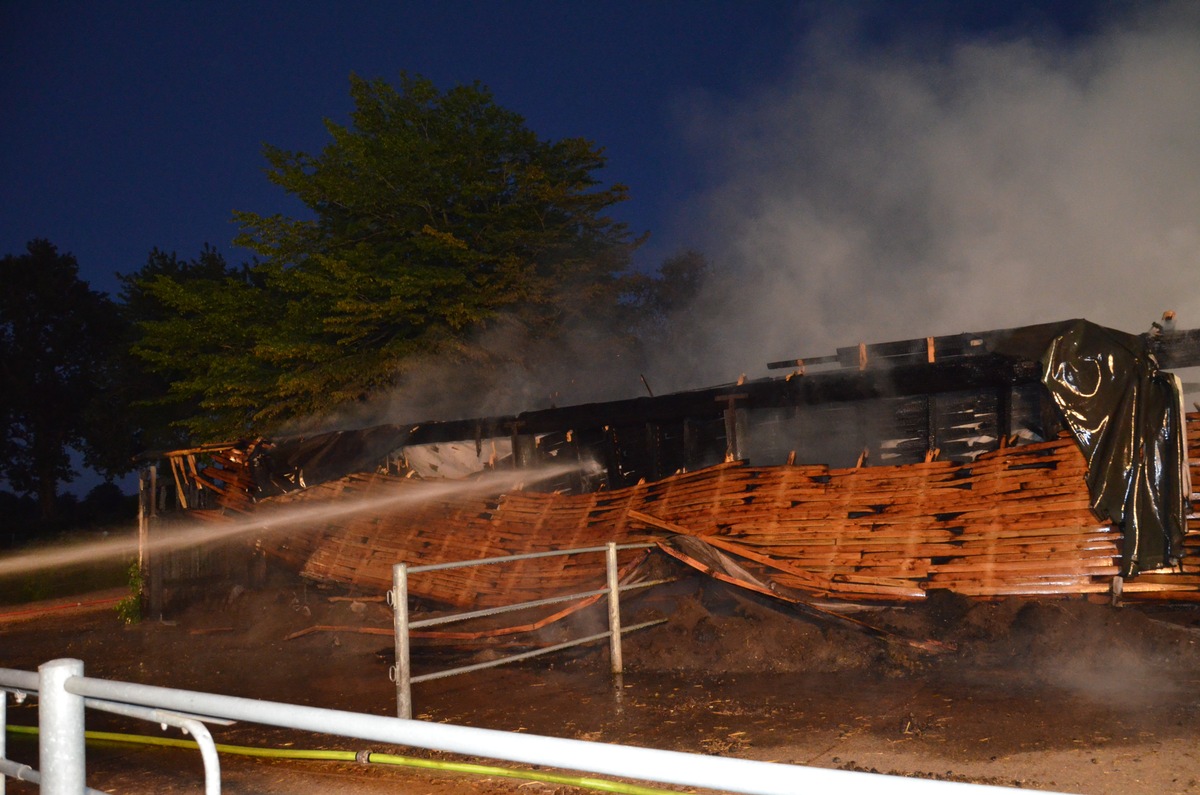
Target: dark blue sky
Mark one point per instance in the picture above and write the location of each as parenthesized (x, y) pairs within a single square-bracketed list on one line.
[(866, 170), (132, 125)]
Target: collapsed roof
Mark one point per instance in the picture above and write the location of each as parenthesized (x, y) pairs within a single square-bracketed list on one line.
[(949, 398)]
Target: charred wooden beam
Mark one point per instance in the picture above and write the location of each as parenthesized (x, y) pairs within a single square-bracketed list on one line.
[(800, 364), (1178, 349)]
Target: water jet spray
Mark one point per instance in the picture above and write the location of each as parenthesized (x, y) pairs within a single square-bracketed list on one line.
[(194, 533)]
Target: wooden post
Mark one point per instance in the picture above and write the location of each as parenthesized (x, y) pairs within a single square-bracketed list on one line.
[(578, 485), (931, 421), (733, 447), (154, 567), (1003, 414), (689, 443), (145, 495), (179, 494), (654, 451), (524, 446), (612, 459)]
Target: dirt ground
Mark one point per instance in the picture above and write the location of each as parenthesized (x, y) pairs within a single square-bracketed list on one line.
[(1067, 696)]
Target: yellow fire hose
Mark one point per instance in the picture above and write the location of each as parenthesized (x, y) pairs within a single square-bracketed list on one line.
[(370, 757)]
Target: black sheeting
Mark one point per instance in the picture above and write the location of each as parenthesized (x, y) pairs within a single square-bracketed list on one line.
[(290, 463), (1127, 417)]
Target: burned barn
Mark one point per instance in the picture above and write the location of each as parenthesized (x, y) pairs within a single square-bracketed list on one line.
[(1049, 459)]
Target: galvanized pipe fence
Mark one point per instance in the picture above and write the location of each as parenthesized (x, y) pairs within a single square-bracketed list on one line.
[(401, 672), (64, 692)]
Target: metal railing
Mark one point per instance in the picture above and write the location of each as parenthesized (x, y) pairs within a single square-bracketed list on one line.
[(64, 692), (401, 672)]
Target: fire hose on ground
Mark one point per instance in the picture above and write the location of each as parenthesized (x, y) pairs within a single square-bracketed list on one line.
[(370, 757)]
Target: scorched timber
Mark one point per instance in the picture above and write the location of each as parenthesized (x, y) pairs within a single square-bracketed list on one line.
[(1015, 521)]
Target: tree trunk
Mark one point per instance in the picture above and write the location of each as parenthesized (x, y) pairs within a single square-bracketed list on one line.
[(47, 449), (47, 488)]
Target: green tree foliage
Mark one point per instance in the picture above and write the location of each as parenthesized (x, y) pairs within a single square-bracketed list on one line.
[(434, 216), (193, 319), (674, 287), (59, 341)]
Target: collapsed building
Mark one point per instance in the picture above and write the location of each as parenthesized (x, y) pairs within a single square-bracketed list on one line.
[(1053, 460)]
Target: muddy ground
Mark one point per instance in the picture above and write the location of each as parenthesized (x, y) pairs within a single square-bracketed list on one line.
[(1068, 696)]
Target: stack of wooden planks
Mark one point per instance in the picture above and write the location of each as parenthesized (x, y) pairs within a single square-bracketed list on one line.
[(1015, 521)]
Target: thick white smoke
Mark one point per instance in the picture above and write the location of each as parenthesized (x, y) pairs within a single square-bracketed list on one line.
[(876, 197)]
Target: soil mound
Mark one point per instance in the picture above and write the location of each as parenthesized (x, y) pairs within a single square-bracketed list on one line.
[(716, 628)]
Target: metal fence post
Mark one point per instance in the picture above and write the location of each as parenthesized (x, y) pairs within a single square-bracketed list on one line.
[(61, 750), (614, 609), (402, 670)]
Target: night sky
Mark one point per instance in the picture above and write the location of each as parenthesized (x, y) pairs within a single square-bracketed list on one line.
[(852, 171), (135, 125)]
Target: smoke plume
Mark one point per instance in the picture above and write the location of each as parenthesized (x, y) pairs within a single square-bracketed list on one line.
[(877, 196)]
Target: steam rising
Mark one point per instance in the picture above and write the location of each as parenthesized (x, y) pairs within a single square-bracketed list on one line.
[(875, 197), (895, 194)]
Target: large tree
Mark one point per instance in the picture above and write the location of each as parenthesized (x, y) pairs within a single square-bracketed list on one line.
[(59, 341), (433, 217), (193, 319)]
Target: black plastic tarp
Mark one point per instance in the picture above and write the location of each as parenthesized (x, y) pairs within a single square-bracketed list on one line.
[(1127, 416), (295, 462)]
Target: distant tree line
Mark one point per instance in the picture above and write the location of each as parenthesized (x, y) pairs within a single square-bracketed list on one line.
[(434, 218)]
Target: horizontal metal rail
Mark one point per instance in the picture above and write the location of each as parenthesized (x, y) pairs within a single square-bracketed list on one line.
[(620, 761), (495, 611), (528, 654), (458, 564), (18, 682), (18, 772), (189, 725), (401, 673)]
